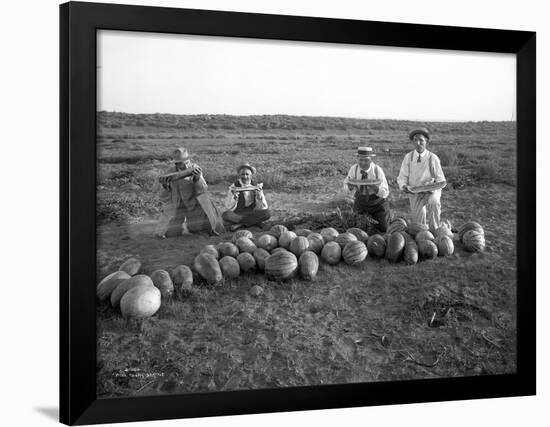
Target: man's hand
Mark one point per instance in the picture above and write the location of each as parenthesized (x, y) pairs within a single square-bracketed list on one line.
[(405, 189), (197, 172)]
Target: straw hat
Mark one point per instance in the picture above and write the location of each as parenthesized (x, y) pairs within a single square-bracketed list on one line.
[(365, 152), (180, 155), (247, 166)]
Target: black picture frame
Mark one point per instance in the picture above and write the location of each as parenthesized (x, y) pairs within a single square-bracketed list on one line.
[(78, 25)]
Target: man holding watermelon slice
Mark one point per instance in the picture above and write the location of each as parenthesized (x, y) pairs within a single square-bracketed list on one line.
[(367, 182), (422, 179)]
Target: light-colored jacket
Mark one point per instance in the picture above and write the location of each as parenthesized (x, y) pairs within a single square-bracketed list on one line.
[(414, 173), (184, 190)]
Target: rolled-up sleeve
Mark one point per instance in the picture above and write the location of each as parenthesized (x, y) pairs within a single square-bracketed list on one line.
[(403, 177)]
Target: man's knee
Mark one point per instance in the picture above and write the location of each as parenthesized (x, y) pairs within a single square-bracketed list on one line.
[(434, 201), (230, 216)]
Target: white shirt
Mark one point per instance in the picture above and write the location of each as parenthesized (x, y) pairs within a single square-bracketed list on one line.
[(373, 172), (415, 173)]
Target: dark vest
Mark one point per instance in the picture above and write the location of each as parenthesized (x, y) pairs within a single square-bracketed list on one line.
[(240, 203)]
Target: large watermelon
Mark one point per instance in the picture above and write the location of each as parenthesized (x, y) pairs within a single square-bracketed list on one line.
[(396, 245), (376, 245), (331, 253), (473, 241), (281, 266), (354, 252), (308, 265)]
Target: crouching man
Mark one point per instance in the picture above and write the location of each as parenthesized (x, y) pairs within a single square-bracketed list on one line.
[(245, 203), (186, 203), (369, 199)]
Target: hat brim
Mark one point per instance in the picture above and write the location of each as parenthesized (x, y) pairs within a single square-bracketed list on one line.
[(181, 160), (418, 132), (250, 168), (366, 155)]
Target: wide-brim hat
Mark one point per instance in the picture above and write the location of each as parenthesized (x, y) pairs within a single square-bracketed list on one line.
[(422, 131), (247, 166), (180, 155), (365, 152)]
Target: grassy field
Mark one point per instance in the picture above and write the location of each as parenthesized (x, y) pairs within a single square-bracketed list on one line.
[(352, 324)]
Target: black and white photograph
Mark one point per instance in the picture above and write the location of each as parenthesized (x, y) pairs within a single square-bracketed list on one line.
[(277, 214)]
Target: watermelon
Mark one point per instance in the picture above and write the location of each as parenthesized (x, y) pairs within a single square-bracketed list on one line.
[(285, 239), (331, 253), (354, 252), (308, 265), (212, 250), (299, 245), (140, 302), (303, 232), (247, 262), (126, 285), (410, 253), (443, 230), (267, 242), (245, 245), (473, 241), (329, 234), (424, 235), (427, 249), (316, 242), (260, 255), (208, 268), (161, 279), (241, 233), (376, 245), (230, 267), (277, 230), (281, 266), (105, 288), (445, 245), (397, 225), (396, 245), (344, 238), (470, 225), (131, 266), (182, 276), (227, 249), (361, 235)]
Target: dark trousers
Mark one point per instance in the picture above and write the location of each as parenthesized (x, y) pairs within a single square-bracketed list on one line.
[(376, 207), (247, 217)]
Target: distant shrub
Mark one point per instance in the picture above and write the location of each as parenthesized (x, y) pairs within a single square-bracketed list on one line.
[(272, 180)]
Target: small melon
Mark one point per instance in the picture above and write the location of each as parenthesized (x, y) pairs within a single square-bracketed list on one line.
[(410, 253), (277, 230), (329, 234), (161, 279), (260, 255), (308, 265), (241, 233), (427, 249), (267, 242), (470, 225), (299, 245), (473, 241), (361, 235), (208, 268), (316, 242), (285, 239), (344, 238), (228, 249), (211, 249), (247, 262), (303, 232), (424, 235), (376, 245), (445, 245), (331, 253), (182, 276), (245, 245), (230, 267), (354, 252), (396, 245)]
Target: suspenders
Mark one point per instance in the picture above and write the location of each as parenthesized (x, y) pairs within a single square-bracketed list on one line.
[(431, 164)]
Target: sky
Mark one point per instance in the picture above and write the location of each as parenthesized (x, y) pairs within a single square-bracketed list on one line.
[(183, 74)]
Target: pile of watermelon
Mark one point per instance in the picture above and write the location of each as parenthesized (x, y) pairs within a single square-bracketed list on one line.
[(281, 254)]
